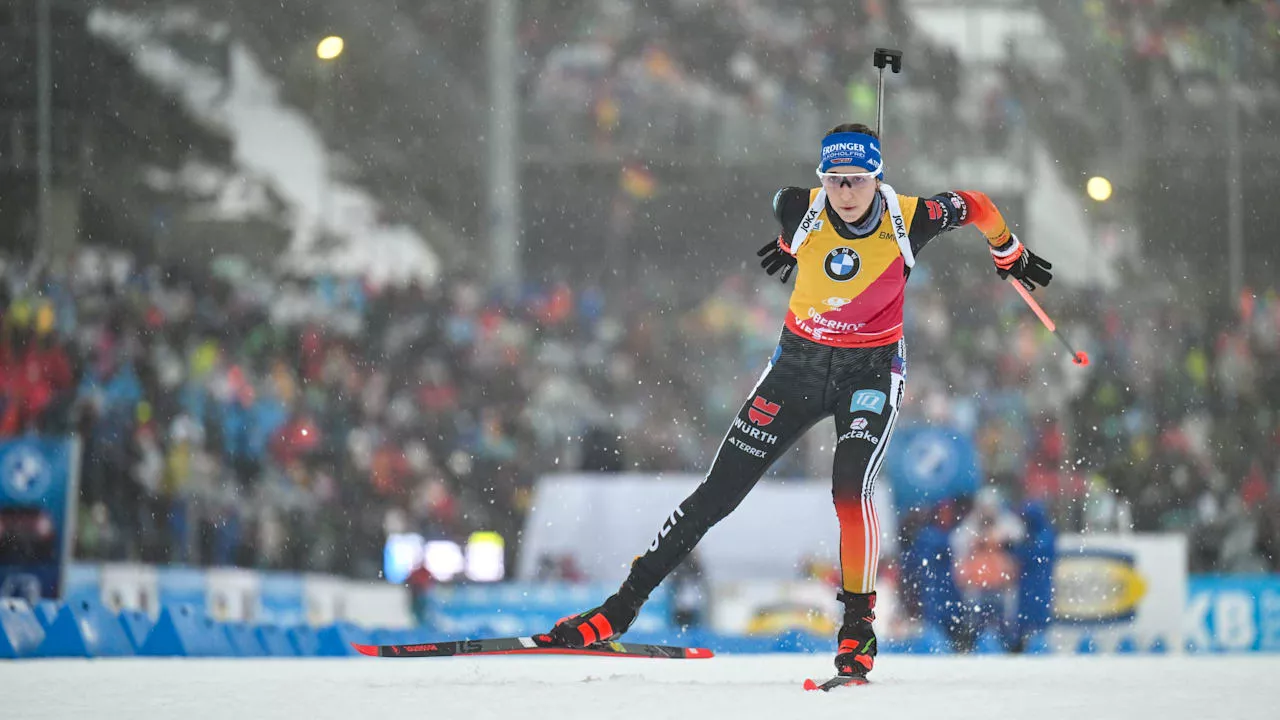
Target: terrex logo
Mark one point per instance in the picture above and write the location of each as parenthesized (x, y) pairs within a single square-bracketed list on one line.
[(762, 412)]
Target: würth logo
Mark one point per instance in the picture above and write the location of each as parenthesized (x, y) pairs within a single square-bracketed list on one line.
[(762, 412), (935, 209)]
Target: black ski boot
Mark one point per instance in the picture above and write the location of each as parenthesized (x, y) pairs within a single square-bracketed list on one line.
[(857, 653), (599, 624)]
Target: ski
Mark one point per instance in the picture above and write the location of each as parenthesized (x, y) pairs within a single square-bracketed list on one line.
[(835, 682), (527, 646)]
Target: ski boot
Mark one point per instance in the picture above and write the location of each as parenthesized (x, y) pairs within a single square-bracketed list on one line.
[(857, 652), (597, 625)]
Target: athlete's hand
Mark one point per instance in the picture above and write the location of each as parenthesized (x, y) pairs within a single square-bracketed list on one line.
[(1013, 258), (775, 259)]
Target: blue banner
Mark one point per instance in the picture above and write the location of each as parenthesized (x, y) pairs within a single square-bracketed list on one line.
[(281, 599), (1233, 613), (929, 464), (183, 586), (524, 608), (37, 515)]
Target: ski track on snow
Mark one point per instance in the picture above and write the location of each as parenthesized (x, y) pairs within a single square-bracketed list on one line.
[(736, 687)]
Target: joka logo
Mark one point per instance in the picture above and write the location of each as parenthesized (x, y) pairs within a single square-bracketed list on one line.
[(762, 412), (809, 217), (900, 227), (842, 264), (935, 209)]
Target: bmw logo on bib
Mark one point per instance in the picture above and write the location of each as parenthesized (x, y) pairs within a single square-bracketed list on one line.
[(842, 264)]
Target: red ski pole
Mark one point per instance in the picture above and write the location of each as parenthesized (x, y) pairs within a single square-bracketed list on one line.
[(1077, 356)]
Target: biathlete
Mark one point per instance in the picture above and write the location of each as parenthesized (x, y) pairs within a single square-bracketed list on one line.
[(851, 242)]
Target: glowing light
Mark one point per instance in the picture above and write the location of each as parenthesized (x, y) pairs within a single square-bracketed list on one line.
[(330, 47), (485, 552), (1099, 188)]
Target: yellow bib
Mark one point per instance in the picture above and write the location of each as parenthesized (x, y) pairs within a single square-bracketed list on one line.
[(848, 293)]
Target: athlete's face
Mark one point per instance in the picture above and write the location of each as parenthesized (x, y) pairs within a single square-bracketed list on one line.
[(850, 196)]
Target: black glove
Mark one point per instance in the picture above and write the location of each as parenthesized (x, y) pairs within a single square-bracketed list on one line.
[(1013, 258), (775, 258)]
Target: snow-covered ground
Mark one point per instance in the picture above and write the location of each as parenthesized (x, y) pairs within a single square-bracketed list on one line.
[(734, 687)]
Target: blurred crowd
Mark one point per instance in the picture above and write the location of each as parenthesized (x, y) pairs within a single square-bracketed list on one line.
[(1174, 51), (270, 421), (239, 415), (691, 69), (282, 422), (1172, 428)]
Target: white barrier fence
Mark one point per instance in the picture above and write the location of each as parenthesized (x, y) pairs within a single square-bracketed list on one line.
[(234, 594)]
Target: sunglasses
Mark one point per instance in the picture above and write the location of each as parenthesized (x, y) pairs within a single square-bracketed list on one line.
[(831, 180)]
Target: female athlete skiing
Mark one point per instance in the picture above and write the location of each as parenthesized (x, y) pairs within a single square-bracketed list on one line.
[(852, 242)]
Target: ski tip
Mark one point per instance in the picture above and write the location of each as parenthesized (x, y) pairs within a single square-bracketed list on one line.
[(698, 653), (836, 682), (371, 650)]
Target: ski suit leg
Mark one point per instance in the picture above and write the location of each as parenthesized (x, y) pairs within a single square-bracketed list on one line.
[(787, 401), (865, 413)]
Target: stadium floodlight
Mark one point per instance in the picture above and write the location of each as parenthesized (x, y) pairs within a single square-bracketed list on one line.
[(1099, 188), (330, 47)]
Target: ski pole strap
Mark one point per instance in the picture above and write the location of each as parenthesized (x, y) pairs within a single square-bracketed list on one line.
[(895, 216), (810, 217), (899, 225)]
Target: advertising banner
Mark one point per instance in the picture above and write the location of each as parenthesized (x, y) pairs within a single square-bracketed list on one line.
[(38, 489), (239, 594), (524, 608), (1234, 613), (929, 464), (1114, 587)]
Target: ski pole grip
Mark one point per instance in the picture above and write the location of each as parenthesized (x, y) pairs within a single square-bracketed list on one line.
[(888, 57)]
